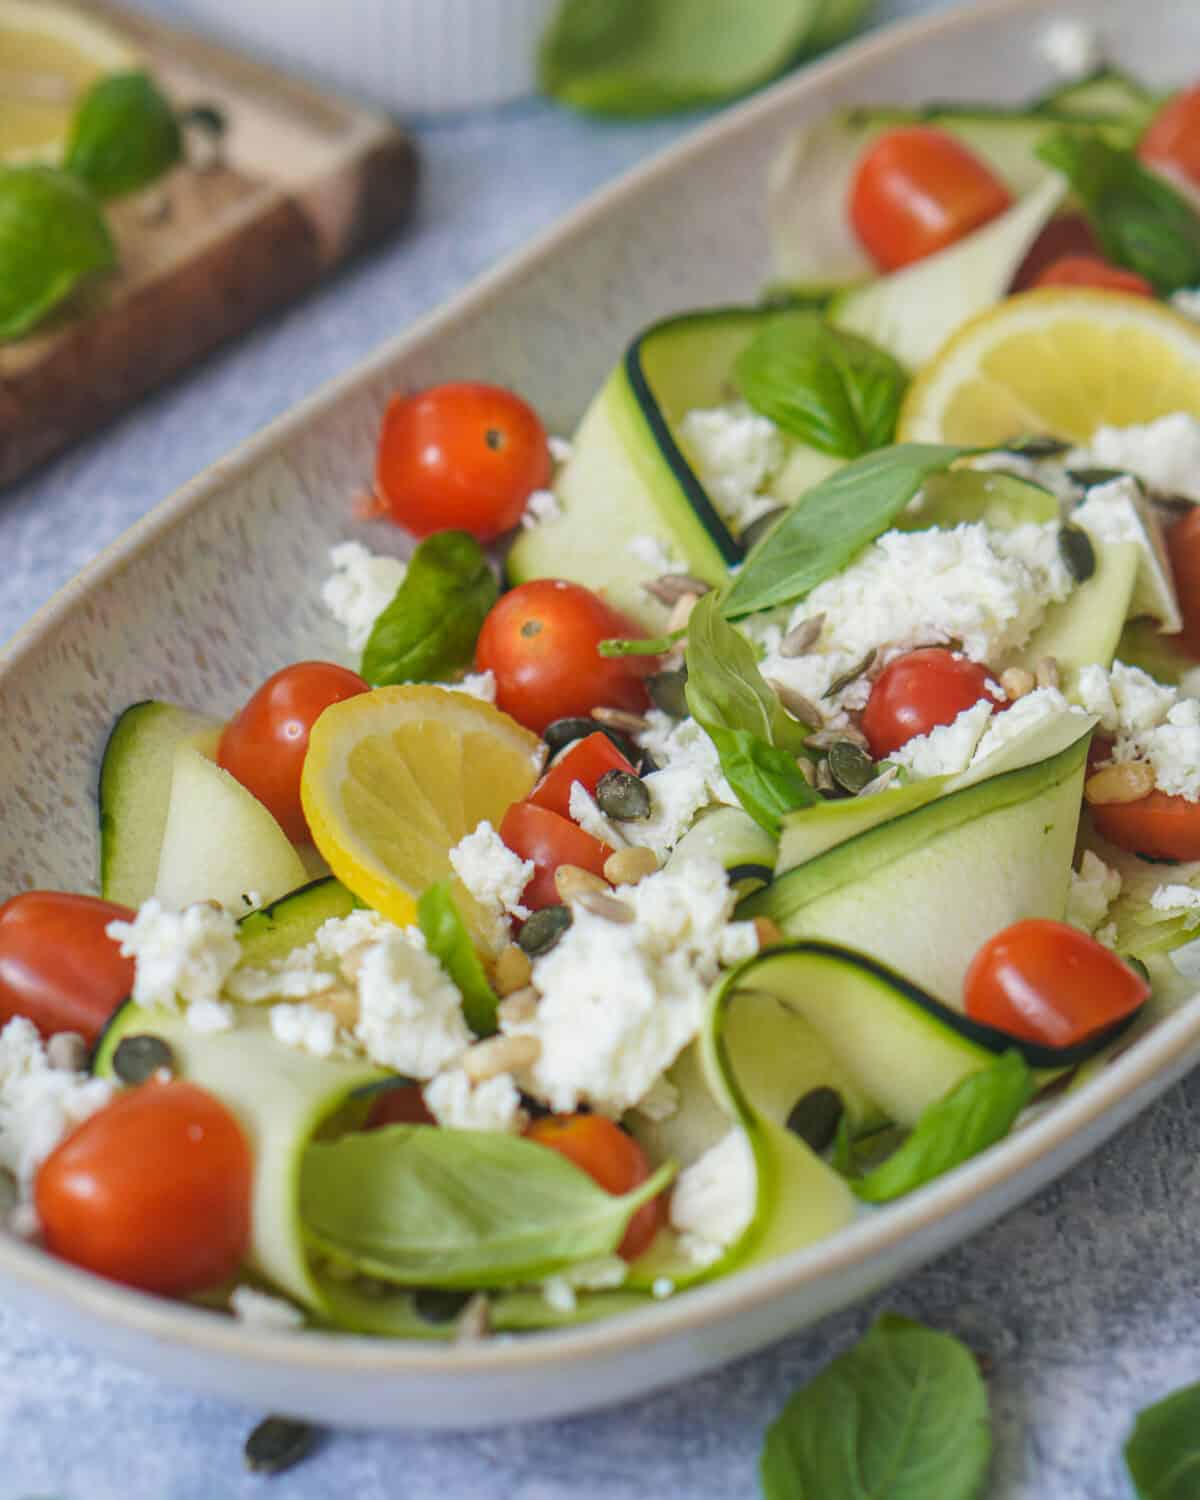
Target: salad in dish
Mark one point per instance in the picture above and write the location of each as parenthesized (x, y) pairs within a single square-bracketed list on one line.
[(819, 797)]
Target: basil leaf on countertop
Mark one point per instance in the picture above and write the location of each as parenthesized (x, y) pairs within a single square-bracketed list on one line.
[(447, 938), (767, 782), (833, 521), (429, 630), (832, 390), (1163, 1451), (974, 1115), (725, 689), (419, 1206), (901, 1416), (52, 235), (1142, 223), (124, 135)]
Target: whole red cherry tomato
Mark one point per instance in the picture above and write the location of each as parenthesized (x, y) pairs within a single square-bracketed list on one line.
[(1172, 139), (1159, 826), (920, 690), (612, 1159), (1093, 271), (1049, 982), (549, 841), (264, 744), (1183, 547), (153, 1191), (541, 639), (58, 966), (586, 761), (917, 190), (463, 455)]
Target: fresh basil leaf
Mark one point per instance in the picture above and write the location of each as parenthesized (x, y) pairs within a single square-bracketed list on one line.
[(768, 782), (1163, 1451), (832, 390), (429, 629), (979, 1112), (901, 1416), (725, 689), (52, 235), (419, 1206), (447, 938), (1142, 223), (124, 135), (831, 522)]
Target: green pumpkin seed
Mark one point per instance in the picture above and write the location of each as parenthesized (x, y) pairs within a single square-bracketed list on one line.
[(1076, 550), (668, 691), (1038, 445), (855, 672), (815, 1117), (851, 767), (139, 1058), (622, 796), (433, 1305), (543, 929), (278, 1443)]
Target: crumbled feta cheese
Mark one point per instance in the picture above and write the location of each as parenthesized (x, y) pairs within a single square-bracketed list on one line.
[(360, 588), (1094, 888), (1164, 454), (480, 685), (559, 1295), (735, 452), (948, 749), (1152, 723), (678, 744), (1172, 748), (541, 509), (185, 955), (677, 794), (1071, 47), (294, 976), (620, 1002), (210, 1016), (410, 1014), (655, 553), (713, 1200), (270, 1314), (593, 1275), (661, 1288), (1127, 700), (493, 875), (1020, 717), (1178, 901), (1119, 512), (307, 1028), (494, 1104), (561, 448), (1187, 301), (340, 938)]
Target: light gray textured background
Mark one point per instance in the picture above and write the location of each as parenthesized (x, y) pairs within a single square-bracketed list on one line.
[(1086, 1300)]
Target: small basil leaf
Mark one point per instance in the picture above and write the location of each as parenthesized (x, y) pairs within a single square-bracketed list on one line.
[(429, 629), (901, 1416), (447, 938), (725, 689), (52, 235), (834, 520), (124, 135), (418, 1206), (1163, 1451), (979, 1112), (1142, 223), (768, 782), (832, 390)]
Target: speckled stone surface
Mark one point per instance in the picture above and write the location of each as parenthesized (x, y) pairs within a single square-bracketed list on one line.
[(1085, 1300)]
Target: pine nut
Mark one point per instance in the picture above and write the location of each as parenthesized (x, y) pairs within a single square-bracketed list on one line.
[(1017, 682), (1129, 781), (500, 1054), (628, 866), (681, 613), (512, 970), (518, 1007), (601, 904), (800, 638), (768, 933), (1046, 672), (66, 1052), (618, 718), (570, 882), (796, 704)]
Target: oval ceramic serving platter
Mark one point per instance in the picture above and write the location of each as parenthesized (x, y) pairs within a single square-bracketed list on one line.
[(220, 586)]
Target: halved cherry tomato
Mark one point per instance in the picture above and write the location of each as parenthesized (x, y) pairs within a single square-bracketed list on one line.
[(402, 1105), (463, 455), (920, 690), (612, 1159), (586, 761), (152, 1191), (917, 190), (264, 744), (58, 966), (549, 840), (1172, 139), (1093, 271), (1066, 234), (540, 640), (1183, 547), (1049, 982), (1159, 826)]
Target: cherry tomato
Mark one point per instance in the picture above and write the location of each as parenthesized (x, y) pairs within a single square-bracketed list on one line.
[(58, 967), (264, 744), (1066, 234), (1172, 139), (920, 690), (586, 761), (612, 1159), (1093, 271), (549, 840), (402, 1105), (153, 1191), (917, 190), (1183, 547), (1159, 826), (1049, 982), (540, 640), (462, 455)]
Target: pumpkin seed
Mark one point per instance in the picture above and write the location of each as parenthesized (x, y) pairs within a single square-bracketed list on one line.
[(815, 1117), (800, 638), (623, 797), (1088, 477), (543, 929), (668, 691), (433, 1305), (1038, 445), (564, 732), (278, 1443), (850, 766), (1076, 550), (138, 1058), (855, 672), (758, 528)]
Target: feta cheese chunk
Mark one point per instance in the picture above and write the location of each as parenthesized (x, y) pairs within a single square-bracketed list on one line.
[(1164, 454), (714, 1199), (186, 955), (1094, 888), (541, 509), (269, 1314), (735, 452), (410, 1014), (493, 875), (307, 1028), (494, 1104), (1187, 301), (481, 685), (1071, 47), (948, 749), (1152, 723), (360, 588), (1034, 708), (1178, 901)]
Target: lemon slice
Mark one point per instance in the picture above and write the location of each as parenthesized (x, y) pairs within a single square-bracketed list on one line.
[(395, 777), (49, 55), (1056, 361)]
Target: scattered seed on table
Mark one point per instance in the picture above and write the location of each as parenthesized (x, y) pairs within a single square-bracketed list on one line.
[(278, 1443)]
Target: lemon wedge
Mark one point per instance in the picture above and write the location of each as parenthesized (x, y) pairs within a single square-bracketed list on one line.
[(1055, 361), (50, 55), (394, 778)]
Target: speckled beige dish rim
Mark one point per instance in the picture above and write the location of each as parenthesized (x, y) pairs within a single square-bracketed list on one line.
[(1100, 1107)]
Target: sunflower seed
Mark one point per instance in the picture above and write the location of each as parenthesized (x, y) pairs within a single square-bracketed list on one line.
[(475, 1320), (543, 930), (278, 1443), (825, 739), (520, 1006), (850, 766), (800, 638), (796, 704), (758, 528), (617, 718), (1046, 673), (681, 613), (855, 672), (1076, 550), (623, 797), (569, 880), (600, 904), (138, 1058), (815, 1117), (806, 769), (668, 691), (825, 782), (669, 588)]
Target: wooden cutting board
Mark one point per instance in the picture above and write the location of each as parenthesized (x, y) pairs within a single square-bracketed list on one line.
[(302, 182)]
